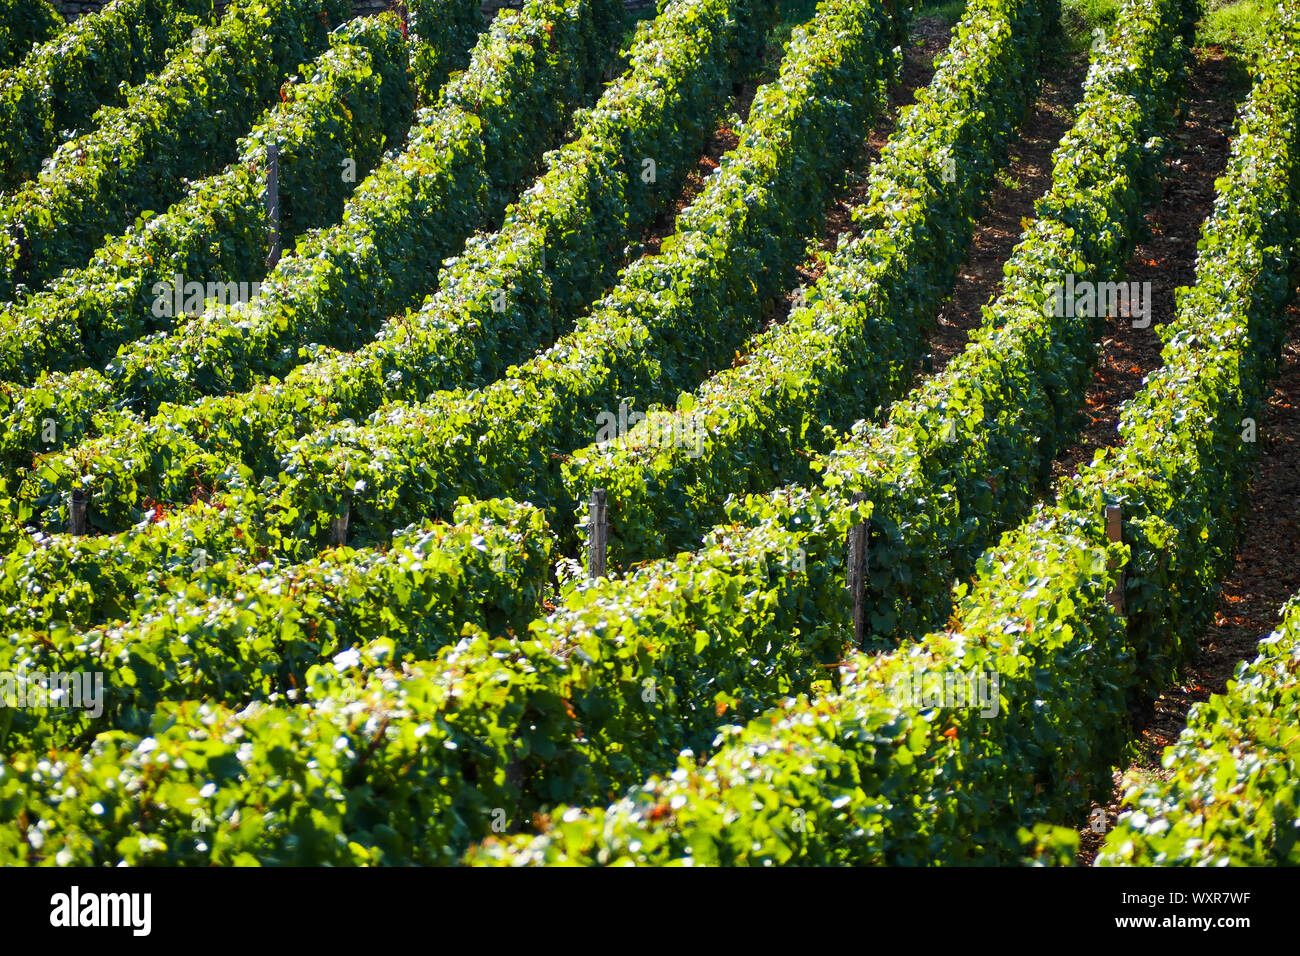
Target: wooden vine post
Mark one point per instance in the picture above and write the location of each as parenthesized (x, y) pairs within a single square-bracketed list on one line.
[(597, 533), (77, 511), (273, 203), (1115, 532), (339, 528), (857, 575)]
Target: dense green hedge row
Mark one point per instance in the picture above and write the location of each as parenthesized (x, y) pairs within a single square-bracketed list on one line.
[(417, 764), (559, 247), (436, 751), (1231, 798), (23, 25), (356, 100), (1097, 171), (1182, 516), (409, 767), (235, 635), (181, 123), (406, 477), (733, 248), (61, 84), (873, 775), (646, 106), (673, 317), (463, 157), (864, 775), (83, 580), (440, 35), (854, 346), (964, 457)]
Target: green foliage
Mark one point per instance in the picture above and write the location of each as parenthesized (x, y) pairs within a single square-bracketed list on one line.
[(964, 456), (462, 157), (59, 85), (499, 723), (870, 776), (559, 246), (674, 315), (1081, 18), (235, 633), (1220, 353), (584, 177), (584, 700), (1231, 798), (854, 346), (23, 25), (101, 577), (182, 123), (359, 760), (867, 777), (440, 35), (1237, 25), (356, 100), (805, 113)]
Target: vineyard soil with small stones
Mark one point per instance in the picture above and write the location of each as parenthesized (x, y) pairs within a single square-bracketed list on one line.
[(725, 432)]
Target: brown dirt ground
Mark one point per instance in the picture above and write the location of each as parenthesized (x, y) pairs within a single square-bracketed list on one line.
[(723, 140), (1027, 175), (1166, 257)]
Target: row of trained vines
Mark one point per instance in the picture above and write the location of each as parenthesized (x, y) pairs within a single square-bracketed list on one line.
[(509, 520), (59, 84), (911, 783)]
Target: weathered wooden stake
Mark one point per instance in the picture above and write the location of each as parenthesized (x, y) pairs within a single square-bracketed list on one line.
[(273, 203), (77, 511), (597, 533), (1115, 532), (339, 528), (857, 574)]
